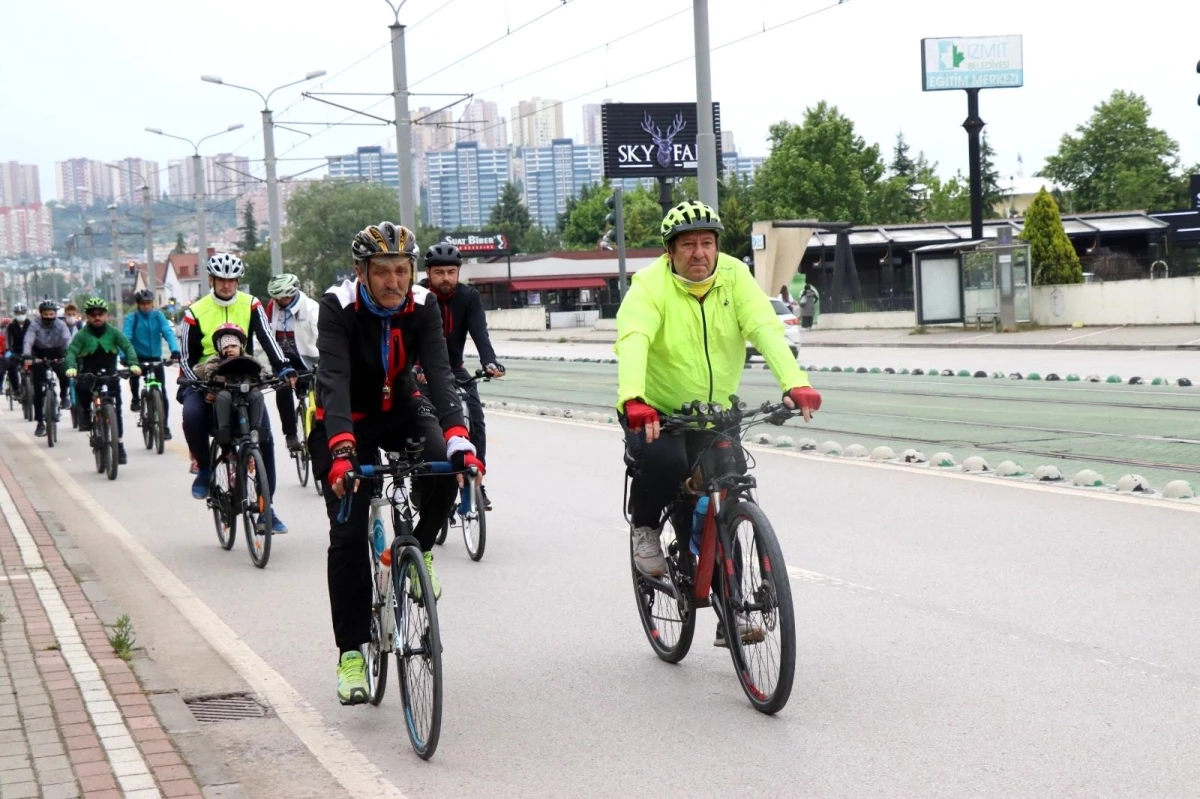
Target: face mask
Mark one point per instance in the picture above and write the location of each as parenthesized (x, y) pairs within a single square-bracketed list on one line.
[(49, 322), (20, 317), (72, 320)]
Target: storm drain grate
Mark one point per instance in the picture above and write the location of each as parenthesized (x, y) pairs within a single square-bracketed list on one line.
[(230, 707)]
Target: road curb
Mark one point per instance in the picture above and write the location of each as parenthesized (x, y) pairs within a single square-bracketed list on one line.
[(202, 757), (925, 345)]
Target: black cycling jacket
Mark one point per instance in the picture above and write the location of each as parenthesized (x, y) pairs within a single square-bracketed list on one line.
[(462, 313), (352, 378)]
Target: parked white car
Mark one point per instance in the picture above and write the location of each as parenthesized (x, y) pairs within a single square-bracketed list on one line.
[(791, 329)]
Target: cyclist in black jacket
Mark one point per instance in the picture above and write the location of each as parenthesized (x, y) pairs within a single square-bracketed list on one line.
[(370, 332), (14, 337), (462, 313)]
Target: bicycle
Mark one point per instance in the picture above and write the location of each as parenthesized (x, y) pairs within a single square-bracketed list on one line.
[(152, 416), (50, 401), (10, 392), (27, 396), (304, 416), (238, 485), (706, 552), (76, 411), (404, 618), (104, 438), (468, 512)]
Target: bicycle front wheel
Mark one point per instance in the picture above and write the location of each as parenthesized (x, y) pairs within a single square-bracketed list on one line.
[(158, 423), (256, 506), (50, 414), (419, 656), (27, 400), (474, 521), (112, 442), (665, 604), (761, 626)]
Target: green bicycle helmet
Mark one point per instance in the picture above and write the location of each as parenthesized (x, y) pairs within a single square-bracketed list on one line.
[(94, 304), (688, 216)]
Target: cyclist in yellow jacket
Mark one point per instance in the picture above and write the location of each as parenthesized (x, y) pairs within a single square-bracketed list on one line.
[(681, 336)]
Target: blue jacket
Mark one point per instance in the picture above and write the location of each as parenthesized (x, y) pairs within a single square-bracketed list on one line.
[(146, 331)]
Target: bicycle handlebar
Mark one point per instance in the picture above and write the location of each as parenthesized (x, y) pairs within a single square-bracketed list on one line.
[(47, 361), (700, 414), (254, 383), (369, 471)]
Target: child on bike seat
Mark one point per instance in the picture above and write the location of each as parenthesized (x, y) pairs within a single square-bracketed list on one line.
[(230, 364)]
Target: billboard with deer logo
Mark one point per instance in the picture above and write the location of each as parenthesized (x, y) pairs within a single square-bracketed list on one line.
[(653, 139)]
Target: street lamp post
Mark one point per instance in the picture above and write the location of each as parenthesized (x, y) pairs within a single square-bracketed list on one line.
[(269, 155), (403, 122), (115, 288), (706, 140), (198, 185)]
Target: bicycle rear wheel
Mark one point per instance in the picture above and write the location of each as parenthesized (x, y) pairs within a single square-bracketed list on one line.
[(27, 399), (375, 651), (112, 442), (50, 415), (158, 423), (763, 642), (221, 496), (474, 521), (419, 654), (665, 604), (300, 458), (255, 496), (96, 439)]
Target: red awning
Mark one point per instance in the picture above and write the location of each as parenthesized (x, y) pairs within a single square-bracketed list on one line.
[(559, 283)]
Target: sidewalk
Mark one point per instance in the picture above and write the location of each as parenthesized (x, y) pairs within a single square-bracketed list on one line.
[(74, 720), (1151, 337)]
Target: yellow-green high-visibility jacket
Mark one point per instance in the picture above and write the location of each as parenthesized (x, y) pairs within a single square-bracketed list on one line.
[(672, 348)]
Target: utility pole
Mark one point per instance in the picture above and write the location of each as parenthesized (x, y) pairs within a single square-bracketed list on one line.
[(148, 219), (706, 139), (974, 127), (269, 155), (198, 193), (115, 289), (403, 121)]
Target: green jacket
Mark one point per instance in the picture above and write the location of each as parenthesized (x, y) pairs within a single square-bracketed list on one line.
[(87, 344), (672, 349)]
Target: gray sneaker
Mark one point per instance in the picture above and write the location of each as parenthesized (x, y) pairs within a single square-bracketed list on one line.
[(647, 551)]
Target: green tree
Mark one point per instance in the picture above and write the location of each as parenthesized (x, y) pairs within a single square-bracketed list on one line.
[(945, 200), (258, 272), (1053, 255), (1117, 161), (820, 169), (582, 224), (249, 242), (991, 192), (323, 217), (180, 245), (643, 218), (539, 240), (511, 217)]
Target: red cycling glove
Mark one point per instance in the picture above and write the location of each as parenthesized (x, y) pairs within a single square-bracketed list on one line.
[(806, 397), (638, 414), (342, 464), (467, 460)]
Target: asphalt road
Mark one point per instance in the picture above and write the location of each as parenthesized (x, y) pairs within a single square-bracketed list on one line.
[(955, 637)]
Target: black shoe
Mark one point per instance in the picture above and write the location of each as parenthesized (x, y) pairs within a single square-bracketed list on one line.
[(487, 503), (40, 430), (166, 434), (122, 458), (135, 404), (293, 443)]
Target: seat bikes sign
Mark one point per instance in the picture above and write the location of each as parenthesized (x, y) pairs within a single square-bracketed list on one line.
[(478, 243), (653, 139)]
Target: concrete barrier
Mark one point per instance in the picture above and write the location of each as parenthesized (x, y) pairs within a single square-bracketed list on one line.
[(858, 321), (606, 325), (517, 319), (559, 319), (1169, 301)]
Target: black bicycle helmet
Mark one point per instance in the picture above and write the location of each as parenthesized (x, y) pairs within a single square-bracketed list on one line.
[(47, 305), (443, 254), (145, 295)]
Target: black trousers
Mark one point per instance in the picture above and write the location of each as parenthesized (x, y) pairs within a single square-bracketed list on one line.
[(83, 395), (658, 469), (348, 562), (285, 398), (474, 412)]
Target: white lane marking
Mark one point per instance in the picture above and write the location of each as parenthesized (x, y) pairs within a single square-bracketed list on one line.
[(1085, 335), (358, 775), (128, 765), (1187, 506)]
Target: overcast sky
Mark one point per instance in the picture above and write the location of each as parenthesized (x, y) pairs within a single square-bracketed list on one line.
[(84, 79)]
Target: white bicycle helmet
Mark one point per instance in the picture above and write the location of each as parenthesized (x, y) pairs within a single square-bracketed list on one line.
[(283, 286), (227, 266)]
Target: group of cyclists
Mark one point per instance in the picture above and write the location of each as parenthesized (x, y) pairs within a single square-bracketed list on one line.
[(388, 354)]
